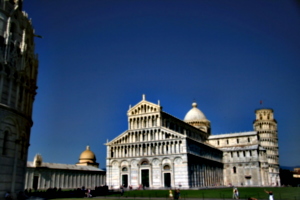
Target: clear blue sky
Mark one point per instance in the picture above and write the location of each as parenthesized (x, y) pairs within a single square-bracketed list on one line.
[(98, 57)]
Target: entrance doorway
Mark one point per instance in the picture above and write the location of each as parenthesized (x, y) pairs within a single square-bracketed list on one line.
[(167, 179), (35, 182), (125, 180), (145, 177)]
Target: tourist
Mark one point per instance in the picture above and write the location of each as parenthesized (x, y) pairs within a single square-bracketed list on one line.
[(122, 190), (8, 196), (235, 193), (89, 195), (178, 193), (22, 196), (175, 194), (170, 194), (270, 194)]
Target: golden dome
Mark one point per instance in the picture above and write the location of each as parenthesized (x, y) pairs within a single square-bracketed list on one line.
[(87, 156)]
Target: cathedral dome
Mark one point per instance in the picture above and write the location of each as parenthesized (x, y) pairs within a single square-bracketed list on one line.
[(194, 114), (87, 155)]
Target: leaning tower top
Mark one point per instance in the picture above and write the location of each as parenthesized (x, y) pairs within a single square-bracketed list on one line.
[(264, 114)]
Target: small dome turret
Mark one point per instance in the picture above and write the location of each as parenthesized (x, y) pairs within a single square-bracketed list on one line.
[(87, 157), (37, 161), (196, 118), (194, 114)]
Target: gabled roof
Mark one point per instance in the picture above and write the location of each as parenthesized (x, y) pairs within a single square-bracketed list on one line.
[(117, 138), (144, 107), (125, 133)]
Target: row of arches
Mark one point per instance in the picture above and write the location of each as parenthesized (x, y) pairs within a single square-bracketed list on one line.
[(16, 94), (9, 148), (203, 175), (11, 24), (14, 142), (147, 149), (157, 172), (146, 135), (273, 161), (266, 126), (243, 154), (231, 141), (63, 179), (23, 75), (181, 128), (143, 122), (265, 116), (269, 142), (143, 109), (151, 121), (267, 135), (273, 153), (205, 152)]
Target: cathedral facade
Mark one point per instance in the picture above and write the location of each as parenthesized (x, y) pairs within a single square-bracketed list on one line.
[(18, 77), (159, 150)]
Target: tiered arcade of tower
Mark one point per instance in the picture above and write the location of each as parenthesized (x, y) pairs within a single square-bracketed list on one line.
[(18, 84), (266, 127)]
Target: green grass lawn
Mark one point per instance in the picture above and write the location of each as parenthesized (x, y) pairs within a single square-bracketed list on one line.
[(283, 193), (280, 193)]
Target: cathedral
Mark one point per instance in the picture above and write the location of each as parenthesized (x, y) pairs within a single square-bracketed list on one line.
[(159, 150)]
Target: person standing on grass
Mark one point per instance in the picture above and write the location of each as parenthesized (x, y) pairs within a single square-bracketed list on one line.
[(170, 194), (178, 193), (122, 190), (235, 193), (270, 194), (175, 194)]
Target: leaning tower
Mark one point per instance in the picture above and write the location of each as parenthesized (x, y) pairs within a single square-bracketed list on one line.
[(18, 77), (266, 127)]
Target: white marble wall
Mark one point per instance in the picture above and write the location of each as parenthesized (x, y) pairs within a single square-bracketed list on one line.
[(64, 179), (178, 170)]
